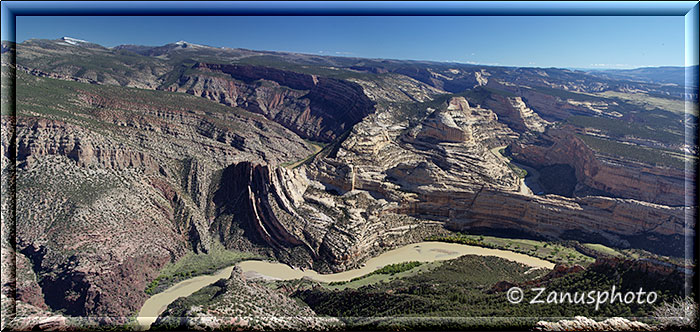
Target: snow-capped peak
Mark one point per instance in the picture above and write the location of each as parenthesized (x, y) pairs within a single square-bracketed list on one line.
[(73, 41), (184, 44)]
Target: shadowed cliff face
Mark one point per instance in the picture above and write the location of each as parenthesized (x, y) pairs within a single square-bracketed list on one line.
[(252, 198), (314, 107), (440, 169), (132, 179), (626, 179), (247, 191), (113, 183)]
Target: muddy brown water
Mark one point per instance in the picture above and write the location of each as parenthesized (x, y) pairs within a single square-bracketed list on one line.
[(422, 251)]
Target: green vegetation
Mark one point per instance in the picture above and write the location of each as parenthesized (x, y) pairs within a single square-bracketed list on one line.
[(462, 239), (67, 100), (603, 249), (7, 90), (619, 129), (646, 101), (95, 62), (521, 173), (390, 269), (312, 69), (646, 155), (397, 268), (566, 95), (317, 146), (450, 289), (468, 287), (553, 252), (503, 154), (381, 278), (192, 265)]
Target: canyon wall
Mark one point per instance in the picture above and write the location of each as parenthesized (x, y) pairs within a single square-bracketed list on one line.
[(318, 108), (621, 178)]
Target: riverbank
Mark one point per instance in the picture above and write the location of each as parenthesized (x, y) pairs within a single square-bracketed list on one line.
[(421, 252), (428, 251)]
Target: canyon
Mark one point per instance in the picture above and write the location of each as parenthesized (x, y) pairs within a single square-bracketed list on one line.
[(117, 175)]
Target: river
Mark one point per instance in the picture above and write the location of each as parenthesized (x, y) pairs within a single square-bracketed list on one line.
[(531, 183), (422, 251)]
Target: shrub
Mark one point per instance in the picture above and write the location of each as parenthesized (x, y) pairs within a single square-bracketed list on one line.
[(680, 314)]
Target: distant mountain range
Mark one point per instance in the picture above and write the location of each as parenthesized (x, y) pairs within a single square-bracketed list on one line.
[(138, 167), (661, 75)]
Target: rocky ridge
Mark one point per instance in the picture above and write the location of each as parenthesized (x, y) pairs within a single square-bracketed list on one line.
[(124, 188), (314, 107), (580, 323), (120, 168), (618, 177), (242, 304)]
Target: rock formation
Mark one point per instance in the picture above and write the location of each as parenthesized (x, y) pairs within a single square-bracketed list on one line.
[(124, 188), (314, 107), (580, 323), (132, 179), (621, 178), (242, 304), (389, 170)]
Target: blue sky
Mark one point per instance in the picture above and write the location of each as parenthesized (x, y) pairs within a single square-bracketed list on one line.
[(546, 41)]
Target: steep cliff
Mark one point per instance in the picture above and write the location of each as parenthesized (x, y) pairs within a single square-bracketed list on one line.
[(131, 179), (314, 107), (449, 177), (124, 180), (616, 176)]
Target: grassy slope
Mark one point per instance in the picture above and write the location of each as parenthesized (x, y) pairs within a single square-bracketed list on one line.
[(192, 265), (552, 252), (647, 102), (462, 288), (646, 155)]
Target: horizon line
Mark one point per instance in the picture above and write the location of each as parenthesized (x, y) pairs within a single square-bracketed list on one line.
[(321, 54)]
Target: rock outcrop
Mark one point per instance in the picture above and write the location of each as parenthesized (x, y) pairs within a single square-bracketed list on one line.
[(131, 180), (124, 187), (621, 178), (259, 198), (388, 175), (314, 107), (242, 304), (580, 323), (514, 112), (443, 125), (464, 186)]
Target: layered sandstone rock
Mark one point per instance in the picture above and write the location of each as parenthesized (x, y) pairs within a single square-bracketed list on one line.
[(314, 107), (463, 186), (110, 189), (627, 179)]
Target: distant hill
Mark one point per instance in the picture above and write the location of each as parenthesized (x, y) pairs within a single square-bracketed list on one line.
[(661, 75)]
